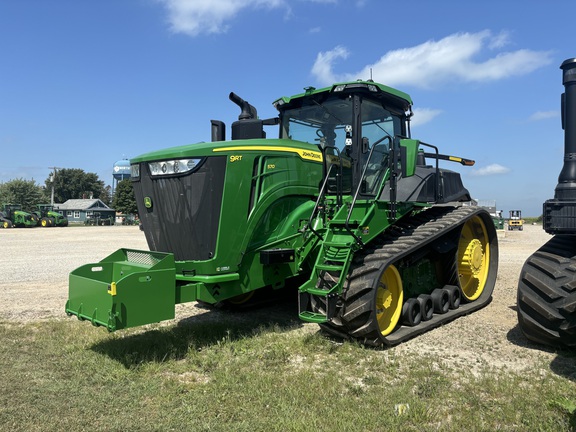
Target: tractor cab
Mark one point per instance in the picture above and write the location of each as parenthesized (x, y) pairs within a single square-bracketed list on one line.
[(355, 125), (363, 130)]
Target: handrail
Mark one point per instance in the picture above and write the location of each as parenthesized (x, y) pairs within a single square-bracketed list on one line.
[(320, 195), (437, 186), (323, 190), (354, 199)]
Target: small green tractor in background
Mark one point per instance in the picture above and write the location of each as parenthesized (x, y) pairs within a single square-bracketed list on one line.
[(12, 215), (490, 206), (97, 219), (47, 217), (547, 284), (498, 220), (343, 207)]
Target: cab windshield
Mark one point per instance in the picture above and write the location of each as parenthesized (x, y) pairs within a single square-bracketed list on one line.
[(330, 122), (325, 123), (317, 123)]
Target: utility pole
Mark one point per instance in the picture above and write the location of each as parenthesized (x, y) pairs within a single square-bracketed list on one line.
[(52, 180)]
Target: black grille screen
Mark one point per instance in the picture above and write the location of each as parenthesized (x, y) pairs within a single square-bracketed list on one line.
[(185, 211)]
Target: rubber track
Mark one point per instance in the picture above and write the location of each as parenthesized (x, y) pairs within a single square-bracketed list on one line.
[(547, 293), (356, 318)]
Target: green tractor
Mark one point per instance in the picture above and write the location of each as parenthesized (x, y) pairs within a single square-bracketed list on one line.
[(13, 216), (47, 217), (4, 221), (342, 206)]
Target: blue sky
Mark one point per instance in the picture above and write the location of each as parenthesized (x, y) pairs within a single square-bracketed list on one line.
[(84, 83)]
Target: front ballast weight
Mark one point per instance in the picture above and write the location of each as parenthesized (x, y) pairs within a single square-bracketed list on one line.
[(128, 288)]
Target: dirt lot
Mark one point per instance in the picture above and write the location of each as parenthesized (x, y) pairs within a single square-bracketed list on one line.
[(36, 262)]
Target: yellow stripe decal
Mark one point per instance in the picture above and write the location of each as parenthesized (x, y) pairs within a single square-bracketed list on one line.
[(455, 159), (304, 154)]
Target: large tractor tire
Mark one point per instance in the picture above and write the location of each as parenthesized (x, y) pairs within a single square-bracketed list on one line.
[(463, 245), (547, 294)]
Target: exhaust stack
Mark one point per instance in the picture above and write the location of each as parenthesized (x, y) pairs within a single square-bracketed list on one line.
[(559, 215), (566, 189)]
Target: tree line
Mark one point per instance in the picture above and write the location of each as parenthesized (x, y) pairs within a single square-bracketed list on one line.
[(68, 183)]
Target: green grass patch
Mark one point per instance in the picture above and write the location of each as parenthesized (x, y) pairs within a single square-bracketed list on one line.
[(67, 375)]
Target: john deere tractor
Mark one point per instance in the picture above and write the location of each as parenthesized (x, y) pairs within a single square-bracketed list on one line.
[(547, 284), (47, 217), (13, 216), (344, 206)]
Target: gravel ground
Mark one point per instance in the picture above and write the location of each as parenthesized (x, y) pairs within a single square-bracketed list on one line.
[(34, 286)]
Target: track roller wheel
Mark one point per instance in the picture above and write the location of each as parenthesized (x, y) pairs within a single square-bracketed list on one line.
[(411, 312), (426, 306), (440, 300), (473, 258), (389, 298), (454, 295), (374, 305)]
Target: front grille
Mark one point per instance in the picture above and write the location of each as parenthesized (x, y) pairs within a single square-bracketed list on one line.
[(185, 212), (143, 258)]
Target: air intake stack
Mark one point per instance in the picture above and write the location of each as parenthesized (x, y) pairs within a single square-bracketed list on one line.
[(560, 213)]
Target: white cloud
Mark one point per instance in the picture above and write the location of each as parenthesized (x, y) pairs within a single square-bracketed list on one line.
[(437, 62), (493, 169), (500, 40), (543, 115), (323, 64), (424, 115), (193, 17)]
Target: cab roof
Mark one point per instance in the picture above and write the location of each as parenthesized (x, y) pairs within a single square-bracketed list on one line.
[(377, 90)]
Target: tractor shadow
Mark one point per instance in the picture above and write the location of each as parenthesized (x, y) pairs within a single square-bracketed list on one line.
[(198, 332)]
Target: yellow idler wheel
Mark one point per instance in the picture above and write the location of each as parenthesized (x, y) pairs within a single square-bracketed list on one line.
[(473, 258), (389, 299), (241, 299)]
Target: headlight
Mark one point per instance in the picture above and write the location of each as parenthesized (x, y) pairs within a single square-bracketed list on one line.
[(168, 167)]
